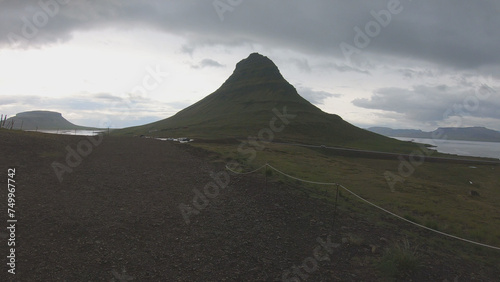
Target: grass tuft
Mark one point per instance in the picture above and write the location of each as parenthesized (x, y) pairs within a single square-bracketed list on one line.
[(400, 260)]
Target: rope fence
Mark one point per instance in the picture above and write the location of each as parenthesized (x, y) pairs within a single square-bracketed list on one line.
[(368, 202), (245, 173)]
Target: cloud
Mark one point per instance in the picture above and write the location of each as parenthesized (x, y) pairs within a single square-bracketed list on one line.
[(344, 68), (208, 63), (302, 64), (187, 49), (107, 97), (455, 33), (179, 105), (94, 109), (411, 73), (315, 97), (435, 104), (428, 41), (4, 101)]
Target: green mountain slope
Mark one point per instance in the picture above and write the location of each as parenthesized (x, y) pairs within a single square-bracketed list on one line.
[(252, 98)]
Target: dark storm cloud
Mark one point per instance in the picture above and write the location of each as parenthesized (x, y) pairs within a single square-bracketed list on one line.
[(456, 33), (435, 103)]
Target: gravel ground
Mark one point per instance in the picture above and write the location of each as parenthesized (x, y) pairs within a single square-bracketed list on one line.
[(118, 216)]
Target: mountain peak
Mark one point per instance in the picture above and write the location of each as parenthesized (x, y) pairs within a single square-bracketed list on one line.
[(255, 68), (255, 60), (249, 103)]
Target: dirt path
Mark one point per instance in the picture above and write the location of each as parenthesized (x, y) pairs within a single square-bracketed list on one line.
[(116, 217)]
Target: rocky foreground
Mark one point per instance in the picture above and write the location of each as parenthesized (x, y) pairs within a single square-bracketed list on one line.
[(136, 209)]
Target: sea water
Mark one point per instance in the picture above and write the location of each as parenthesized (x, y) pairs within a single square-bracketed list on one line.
[(459, 147), (72, 132)]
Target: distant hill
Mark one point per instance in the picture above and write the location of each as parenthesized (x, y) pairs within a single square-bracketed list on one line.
[(41, 120), (451, 133), (248, 102)]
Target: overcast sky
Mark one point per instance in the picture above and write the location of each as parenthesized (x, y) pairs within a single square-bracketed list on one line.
[(402, 64)]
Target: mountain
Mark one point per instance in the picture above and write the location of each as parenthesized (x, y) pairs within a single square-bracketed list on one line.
[(413, 133), (452, 133), (41, 120), (250, 103)]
